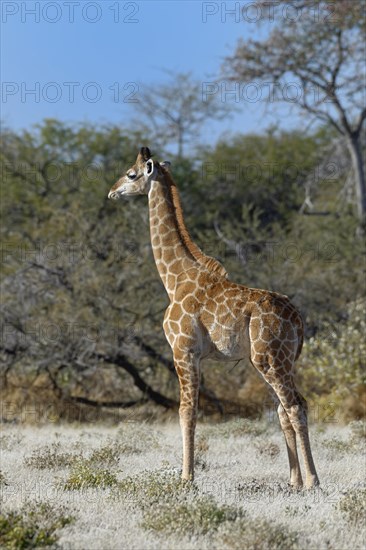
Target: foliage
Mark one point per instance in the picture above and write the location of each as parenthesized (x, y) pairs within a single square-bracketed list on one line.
[(316, 62), (258, 534), (201, 516), (34, 526), (175, 112), (80, 284), (171, 505), (334, 360), (149, 488), (51, 457), (272, 514), (85, 476), (259, 175)]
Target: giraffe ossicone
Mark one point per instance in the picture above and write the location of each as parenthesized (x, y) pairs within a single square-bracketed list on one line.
[(211, 316)]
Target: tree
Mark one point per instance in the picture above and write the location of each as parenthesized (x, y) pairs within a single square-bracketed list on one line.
[(314, 59), (175, 111), (82, 303), (81, 307)]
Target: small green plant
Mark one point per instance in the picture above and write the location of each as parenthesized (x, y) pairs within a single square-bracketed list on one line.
[(107, 454), (194, 518), (84, 476), (258, 535), (149, 488), (353, 506), (34, 526), (51, 457)]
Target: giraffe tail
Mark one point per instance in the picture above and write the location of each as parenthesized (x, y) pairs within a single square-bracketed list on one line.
[(300, 335)]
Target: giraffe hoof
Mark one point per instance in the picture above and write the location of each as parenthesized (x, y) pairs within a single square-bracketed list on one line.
[(296, 486), (187, 477), (312, 483)]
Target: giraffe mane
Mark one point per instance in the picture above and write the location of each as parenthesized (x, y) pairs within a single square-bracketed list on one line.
[(210, 263)]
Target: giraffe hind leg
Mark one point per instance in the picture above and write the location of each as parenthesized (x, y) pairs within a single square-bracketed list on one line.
[(290, 438), (297, 414), (293, 418)]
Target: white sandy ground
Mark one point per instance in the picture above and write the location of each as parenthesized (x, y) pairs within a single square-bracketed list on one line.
[(230, 462)]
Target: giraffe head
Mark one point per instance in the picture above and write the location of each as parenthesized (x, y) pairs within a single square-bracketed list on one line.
[(137, 179)]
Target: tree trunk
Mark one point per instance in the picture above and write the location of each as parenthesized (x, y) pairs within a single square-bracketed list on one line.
[(354, 146)]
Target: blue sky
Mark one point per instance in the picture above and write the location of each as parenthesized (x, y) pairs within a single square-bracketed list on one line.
[(82, 61)]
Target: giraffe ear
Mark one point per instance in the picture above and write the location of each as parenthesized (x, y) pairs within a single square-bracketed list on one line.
[(149, 167), (145, 153), (166, 164)]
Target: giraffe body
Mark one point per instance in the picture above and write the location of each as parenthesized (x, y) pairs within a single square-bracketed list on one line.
[(210, 316)]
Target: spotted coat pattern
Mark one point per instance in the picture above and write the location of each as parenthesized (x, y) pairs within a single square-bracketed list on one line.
[(211, 316)]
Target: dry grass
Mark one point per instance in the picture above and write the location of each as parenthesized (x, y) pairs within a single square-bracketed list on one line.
[(122, 486)]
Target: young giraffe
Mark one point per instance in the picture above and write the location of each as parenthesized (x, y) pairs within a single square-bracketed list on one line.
[(210, 316)]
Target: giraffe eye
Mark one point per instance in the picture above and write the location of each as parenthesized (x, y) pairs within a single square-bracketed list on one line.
[(131, 175)]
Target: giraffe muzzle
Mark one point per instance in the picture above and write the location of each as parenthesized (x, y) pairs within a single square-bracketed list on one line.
[(115, 195)]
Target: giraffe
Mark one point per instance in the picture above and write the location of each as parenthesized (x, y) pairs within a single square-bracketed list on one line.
[(211, 316)]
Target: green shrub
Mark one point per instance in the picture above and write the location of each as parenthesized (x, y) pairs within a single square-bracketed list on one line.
[(51, 457), (107, 454), (334, 363), (194, 518), (84, 476), (149, 488), (258, 535), (32, 527)]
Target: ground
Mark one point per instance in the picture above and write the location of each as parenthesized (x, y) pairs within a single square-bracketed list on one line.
[(119, 487)]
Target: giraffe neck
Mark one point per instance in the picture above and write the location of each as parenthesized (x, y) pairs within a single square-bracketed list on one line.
[(173, 249)]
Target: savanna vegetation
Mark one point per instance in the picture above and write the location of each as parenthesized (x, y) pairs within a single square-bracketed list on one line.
[(94, 486), (82, 306), (82, 301)]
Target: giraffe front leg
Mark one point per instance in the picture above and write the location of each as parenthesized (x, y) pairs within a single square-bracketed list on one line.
[(187, 367)]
